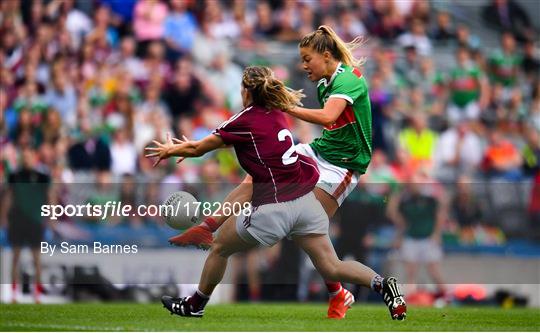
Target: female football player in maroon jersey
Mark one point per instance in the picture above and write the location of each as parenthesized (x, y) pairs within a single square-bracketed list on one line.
[(342, 153), (283, 201)]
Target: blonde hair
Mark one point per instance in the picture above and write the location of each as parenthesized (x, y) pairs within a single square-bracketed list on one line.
[(326, 39), (269, 92)]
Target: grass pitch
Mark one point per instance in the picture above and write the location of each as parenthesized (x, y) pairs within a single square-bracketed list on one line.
[(259, 317)]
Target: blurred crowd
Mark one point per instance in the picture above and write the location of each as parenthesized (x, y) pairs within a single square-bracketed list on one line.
[(87, 84)]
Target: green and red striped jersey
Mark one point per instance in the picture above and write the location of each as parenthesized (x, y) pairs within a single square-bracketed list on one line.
[(347, 142)]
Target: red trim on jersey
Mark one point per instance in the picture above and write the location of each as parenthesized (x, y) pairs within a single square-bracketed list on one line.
[(357, 72), (346, 117), (343, 185)]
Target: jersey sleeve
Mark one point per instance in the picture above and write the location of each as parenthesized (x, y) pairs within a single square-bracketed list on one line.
[(348, 87), (234, 130)]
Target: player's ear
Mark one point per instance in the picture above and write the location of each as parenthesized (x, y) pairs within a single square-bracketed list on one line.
[(327, 56)]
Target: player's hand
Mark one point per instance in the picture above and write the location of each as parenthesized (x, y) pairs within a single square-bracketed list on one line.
[(161, 150), (178, 141)]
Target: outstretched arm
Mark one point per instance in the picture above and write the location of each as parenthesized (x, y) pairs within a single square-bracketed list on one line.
[(176, 147), (326, 117)]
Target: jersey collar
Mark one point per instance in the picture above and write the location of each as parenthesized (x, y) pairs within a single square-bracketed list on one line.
[(323, 80)]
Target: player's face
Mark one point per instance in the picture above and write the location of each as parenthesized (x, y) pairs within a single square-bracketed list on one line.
[(313, 63)]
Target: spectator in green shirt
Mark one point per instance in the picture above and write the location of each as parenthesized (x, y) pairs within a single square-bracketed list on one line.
[(468, 89), (504, 64), (418, 211)]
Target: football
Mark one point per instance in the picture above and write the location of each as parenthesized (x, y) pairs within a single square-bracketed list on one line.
[(180, 210)]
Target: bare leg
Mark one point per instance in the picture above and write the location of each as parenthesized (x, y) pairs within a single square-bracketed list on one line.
[(328, 202), (322, 254), (252, 269), (15, 271), (324, 258), (15, 264), (37, 265), (434, 270), (227, 243), (411, 270), (241, 194)]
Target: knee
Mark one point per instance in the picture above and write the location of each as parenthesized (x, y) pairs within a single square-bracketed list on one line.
[(220, 249)]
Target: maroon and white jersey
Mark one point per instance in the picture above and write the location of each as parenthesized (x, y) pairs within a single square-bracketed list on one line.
[(265, 149)]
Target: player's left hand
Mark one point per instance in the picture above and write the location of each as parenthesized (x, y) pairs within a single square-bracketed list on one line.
[(161, 151)]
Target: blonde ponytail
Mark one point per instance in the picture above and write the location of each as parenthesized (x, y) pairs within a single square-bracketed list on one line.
[(269, 92), (326, 39)]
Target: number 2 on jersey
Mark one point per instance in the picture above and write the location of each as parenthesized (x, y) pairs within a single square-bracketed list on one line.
[(288, 157)]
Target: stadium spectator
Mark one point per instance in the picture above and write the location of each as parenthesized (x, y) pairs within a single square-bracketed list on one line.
[(207, 46), (384, 20), (505, 63), (350, 26), (32, 14), (465, 209), (418, 10), (409, 67), (380, 100), (419, 211), (431, 82), (531, 152), (443, 31), (102, 192), (265, 26), (531, 61), (222, 69), (125, 58), (288, 25), (222, 23), (468, 89), (52, 129), (123, 154), (533, 116), (122, 14), (416, 37), (90, 153), (508, 15), (149, 16), (62, 96), (77, 22), (28, 190), (307, 21), (417, 140), (458, 151), (465, 39), (185, 91), (502, 159), (103, 31), (179, 30), (152, 118)]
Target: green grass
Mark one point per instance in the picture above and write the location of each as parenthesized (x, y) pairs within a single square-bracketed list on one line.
[(259, 317)]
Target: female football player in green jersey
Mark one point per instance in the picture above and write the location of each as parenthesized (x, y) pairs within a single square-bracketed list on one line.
[(342, 153)]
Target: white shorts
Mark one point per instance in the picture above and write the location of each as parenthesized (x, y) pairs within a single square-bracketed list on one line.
[(457, 114), (334, 180), (421, 251), (270, 223)]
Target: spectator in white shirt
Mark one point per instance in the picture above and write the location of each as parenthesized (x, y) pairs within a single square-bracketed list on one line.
[(458, 151)]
